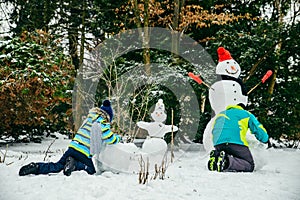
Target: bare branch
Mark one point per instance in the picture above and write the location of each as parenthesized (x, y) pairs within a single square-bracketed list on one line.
[(4, 155), (47, 151)]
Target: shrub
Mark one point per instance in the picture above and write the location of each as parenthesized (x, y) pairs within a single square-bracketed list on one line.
[(35, 77)]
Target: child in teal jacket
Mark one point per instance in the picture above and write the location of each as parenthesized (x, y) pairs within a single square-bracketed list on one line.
[(229, 138)]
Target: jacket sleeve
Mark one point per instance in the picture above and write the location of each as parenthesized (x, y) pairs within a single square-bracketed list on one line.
[(108, 136), (257, 129)]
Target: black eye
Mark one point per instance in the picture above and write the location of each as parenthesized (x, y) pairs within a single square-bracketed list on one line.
[(227, 62)]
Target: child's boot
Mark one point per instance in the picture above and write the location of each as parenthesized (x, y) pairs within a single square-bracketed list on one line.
[(70, 166), (31, 168), (212, 162), (222, 161)]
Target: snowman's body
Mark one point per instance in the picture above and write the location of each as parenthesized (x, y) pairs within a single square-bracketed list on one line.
[(125, 157), (221, 94), (224, 92), (121, 157), (154, 145)]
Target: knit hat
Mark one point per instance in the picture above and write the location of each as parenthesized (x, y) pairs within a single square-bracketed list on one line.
[(223, 54), (160, 105), (159, 115), (106, 106), (227, 65)]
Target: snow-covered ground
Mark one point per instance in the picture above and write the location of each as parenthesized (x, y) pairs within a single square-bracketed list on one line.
[(277, 176)]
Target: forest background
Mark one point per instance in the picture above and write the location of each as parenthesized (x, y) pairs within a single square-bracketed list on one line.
[(43, 45)]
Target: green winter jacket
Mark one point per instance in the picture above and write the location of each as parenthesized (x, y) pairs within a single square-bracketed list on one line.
[(231, 126)]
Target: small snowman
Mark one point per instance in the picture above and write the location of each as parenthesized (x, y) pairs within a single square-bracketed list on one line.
[(154, 145), (228, 90)]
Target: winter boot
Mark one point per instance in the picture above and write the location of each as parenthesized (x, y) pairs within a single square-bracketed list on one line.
[(212, 162), (222, 161), (31, 168), (70, 166)]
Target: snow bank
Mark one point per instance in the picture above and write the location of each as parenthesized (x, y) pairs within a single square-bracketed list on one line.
[(276, 177)]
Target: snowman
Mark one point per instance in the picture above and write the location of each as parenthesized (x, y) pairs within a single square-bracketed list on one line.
[(154, 146), (228, 90), (124, 157)]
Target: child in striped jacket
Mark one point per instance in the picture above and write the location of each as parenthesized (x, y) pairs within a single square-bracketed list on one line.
[(93, 134)]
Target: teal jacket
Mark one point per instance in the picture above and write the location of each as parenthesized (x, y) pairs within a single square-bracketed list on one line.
[(231, 126), (82, 139)]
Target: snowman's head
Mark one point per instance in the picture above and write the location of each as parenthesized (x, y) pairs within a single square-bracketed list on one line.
[(159, 115), (227, 66)]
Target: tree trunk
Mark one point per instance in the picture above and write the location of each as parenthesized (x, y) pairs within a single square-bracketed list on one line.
[(146, 39), (46, 17), (271, 87), (82, 41), (175, 25), (175, 41), (73, 34), (143, 35)]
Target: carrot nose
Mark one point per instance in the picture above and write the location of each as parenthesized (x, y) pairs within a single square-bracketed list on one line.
[(233, 68)]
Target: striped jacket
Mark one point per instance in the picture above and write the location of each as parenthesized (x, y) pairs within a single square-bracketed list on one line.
[(82, 139), (231, 126)]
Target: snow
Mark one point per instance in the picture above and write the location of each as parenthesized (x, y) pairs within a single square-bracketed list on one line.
[(276, 177), (6, 9)]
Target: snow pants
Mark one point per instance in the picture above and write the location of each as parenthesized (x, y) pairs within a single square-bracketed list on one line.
[(239, 157), (82, 163)]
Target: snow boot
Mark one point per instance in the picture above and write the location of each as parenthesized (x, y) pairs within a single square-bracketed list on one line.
[(212, 162), (222, 161), (70, 166), (31, 168)]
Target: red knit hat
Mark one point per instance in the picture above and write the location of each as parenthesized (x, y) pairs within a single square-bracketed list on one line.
[(223, 54)]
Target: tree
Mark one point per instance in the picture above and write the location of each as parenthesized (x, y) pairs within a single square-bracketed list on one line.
[(187, 17), (35, 78), (256, 40), (27, 15)]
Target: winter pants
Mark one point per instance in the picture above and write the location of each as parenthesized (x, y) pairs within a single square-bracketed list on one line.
[(82, 163), (239, 157)]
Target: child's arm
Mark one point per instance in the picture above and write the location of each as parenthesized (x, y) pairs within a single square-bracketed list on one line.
[(258, 130), (108, 136)]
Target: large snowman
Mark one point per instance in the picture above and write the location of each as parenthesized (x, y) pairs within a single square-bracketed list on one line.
[(227, 90), (155, 146), (125, 157)]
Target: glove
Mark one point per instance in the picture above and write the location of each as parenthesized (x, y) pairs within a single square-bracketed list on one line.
[(270, 145)]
